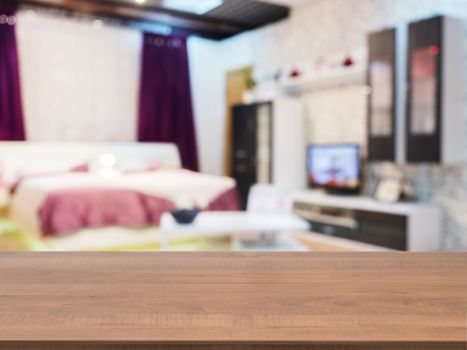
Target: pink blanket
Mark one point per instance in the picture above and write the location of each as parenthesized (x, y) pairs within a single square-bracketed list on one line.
[(66, 211)]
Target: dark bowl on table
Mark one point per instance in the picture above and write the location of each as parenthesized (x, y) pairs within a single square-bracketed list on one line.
[(185, 216)]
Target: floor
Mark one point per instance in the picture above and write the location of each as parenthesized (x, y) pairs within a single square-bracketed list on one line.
[(13, 240)]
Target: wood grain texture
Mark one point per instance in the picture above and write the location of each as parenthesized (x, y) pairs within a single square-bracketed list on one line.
[(67, 346), (400, 300)]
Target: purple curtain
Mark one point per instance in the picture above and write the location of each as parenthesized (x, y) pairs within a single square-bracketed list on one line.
[(11, 112), (165, 106)]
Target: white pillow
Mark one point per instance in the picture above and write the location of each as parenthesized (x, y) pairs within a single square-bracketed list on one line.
[(105, 165), (137, 165)]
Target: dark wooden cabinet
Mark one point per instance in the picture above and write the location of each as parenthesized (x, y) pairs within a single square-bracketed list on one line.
[(424, 94), (268, 145), (382, 100), (382, 229), (416, 101), (252, 146), (434, 123)]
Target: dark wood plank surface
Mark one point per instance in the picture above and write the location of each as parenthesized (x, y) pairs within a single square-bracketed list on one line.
[(312, 300)]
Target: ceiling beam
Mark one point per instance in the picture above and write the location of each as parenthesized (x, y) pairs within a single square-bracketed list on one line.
[(193, 24)]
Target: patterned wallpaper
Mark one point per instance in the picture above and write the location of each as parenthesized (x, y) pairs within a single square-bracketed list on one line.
[(320, 28), (76, 78)]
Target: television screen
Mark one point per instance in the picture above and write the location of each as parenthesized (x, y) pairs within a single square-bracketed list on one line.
[(334, 167)]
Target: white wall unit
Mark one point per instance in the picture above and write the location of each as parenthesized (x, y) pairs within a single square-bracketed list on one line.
[(342, 77), (289, 148), (403, 226), (401, 93), (453, 133)]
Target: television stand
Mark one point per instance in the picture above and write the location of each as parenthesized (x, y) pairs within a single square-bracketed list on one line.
[(339, 192), (399, 226)]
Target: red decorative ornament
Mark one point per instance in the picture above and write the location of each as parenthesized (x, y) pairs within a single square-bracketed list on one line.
[(348, 62), (433, 50), (295, 73)]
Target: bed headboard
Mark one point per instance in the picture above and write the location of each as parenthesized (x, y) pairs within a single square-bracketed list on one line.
[(56, 156)]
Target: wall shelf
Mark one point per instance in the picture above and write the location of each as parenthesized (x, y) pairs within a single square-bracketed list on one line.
[(343, 77)]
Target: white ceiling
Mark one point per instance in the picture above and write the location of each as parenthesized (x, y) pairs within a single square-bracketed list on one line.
[(290, 3)]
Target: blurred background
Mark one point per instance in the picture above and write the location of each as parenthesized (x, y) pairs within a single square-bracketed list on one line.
[(345, 119)]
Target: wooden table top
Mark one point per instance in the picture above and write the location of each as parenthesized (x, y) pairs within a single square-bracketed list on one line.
[(233, 297)]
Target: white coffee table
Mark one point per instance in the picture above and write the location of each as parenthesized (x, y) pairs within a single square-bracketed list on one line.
[(218, 224)]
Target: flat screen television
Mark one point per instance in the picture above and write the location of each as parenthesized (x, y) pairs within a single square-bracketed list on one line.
[(336, 168)]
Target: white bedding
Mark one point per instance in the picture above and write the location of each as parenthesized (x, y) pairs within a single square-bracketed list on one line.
[(180, 186)]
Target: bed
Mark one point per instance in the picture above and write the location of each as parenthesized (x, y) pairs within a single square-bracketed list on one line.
[(77, 197)]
